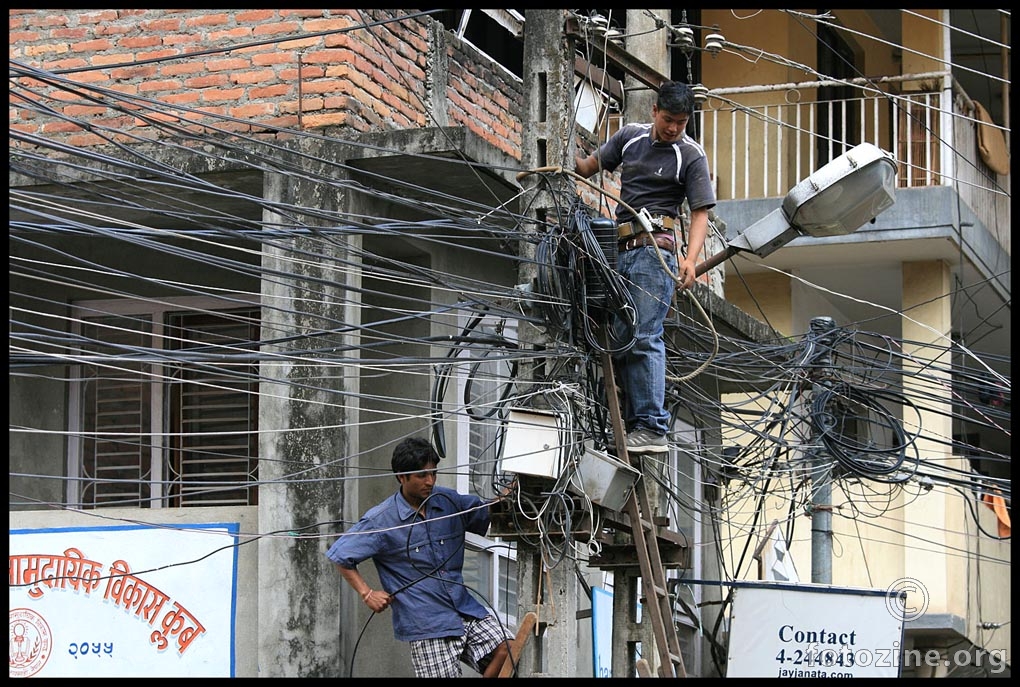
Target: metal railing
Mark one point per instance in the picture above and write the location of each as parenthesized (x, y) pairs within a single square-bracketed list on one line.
[(763, 150)]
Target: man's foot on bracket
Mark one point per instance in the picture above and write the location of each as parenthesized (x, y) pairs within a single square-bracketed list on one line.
[(646, 441)]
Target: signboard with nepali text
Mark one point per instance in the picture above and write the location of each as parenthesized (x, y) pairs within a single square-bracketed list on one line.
[(123, 601)]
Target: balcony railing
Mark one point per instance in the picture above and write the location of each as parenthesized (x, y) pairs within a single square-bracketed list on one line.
[(763, 150)]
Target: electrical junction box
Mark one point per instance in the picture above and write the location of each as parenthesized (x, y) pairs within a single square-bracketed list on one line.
[(534, 443), (604, 479)]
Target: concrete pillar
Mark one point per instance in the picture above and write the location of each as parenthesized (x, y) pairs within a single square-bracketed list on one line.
[(931, 517), (299, 591), (547, 140), (649, 46)]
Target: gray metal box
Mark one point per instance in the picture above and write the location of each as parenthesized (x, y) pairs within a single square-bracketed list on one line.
[(534, 443), (606, 480)]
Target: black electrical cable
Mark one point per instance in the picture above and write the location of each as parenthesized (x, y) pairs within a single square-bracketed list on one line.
[(848, 435)]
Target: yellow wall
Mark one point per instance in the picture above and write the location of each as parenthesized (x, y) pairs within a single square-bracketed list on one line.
[(881, 532), (776, 33), (931, 517), (922, 37), (771, 297)]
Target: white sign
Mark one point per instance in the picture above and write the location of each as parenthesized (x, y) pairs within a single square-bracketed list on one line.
[(131, 601), (781, 630)]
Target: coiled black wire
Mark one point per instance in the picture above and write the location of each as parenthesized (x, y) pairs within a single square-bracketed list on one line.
[(851, 425), (613, 297)]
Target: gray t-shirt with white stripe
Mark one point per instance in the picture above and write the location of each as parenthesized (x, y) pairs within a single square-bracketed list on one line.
[(657, 176)]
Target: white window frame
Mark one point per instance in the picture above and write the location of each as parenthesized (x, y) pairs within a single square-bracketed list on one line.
[(82, 310), (492, 550)]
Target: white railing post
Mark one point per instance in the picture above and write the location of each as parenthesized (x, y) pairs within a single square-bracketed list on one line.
[(946, 128)]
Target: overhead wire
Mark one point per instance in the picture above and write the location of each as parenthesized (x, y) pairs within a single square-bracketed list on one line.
[(768, 467)]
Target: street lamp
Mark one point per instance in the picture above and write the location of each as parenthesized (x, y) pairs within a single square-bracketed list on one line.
[(837, 199)]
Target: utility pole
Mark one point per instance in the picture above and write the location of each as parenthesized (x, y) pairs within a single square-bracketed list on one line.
[(548, 134), (547, 140), (822, 329)]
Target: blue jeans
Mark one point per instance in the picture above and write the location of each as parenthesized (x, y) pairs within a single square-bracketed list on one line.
[(642, 369)]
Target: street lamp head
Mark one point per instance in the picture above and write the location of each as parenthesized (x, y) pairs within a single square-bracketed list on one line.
[(843, 195), (837, 199)]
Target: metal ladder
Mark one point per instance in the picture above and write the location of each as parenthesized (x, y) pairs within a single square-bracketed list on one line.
[(653, 573)]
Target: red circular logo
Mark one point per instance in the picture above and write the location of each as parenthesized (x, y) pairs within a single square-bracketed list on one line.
[(30, 642)]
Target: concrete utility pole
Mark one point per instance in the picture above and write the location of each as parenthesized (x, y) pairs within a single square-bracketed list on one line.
[(547, 140), (821, 480)]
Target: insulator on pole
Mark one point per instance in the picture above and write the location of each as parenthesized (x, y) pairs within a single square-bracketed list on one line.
[(682, 37), (713, 43)]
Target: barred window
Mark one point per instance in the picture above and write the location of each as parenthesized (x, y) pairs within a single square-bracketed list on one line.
[(166, 411)]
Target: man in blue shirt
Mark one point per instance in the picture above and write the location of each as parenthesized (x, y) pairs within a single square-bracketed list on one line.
[(661, 168), (415, 538)]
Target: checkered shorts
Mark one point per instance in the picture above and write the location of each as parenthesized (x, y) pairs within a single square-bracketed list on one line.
[(441, 657)]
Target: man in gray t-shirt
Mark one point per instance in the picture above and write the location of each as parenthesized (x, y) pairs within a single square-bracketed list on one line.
[(661, 167)]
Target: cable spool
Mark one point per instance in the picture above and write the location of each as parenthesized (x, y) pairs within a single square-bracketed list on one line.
[(604, 230)]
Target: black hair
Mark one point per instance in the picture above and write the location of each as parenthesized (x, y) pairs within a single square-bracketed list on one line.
[(676, 97), (413, 454)]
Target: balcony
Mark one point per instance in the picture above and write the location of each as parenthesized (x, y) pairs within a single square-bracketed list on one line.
[(951, 204), (762, 151)]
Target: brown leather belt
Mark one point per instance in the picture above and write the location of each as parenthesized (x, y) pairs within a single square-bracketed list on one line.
[(661, 239), (628, 229)]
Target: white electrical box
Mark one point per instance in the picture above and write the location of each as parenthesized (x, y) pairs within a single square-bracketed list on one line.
[(606, 480), (534, 443)]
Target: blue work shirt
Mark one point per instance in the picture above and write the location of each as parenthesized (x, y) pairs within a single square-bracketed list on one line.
[(420, 562)]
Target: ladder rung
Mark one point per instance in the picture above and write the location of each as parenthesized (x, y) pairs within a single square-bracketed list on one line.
[(652, 572)]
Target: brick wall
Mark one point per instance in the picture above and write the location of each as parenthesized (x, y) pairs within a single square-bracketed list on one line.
[(111, 74), (484, 97)]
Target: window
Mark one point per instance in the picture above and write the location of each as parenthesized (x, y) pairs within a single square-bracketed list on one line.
[(483, 379), (164, 405), (595, 106), (483, 371), (838, 125), (490, 572), (496, 33)]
